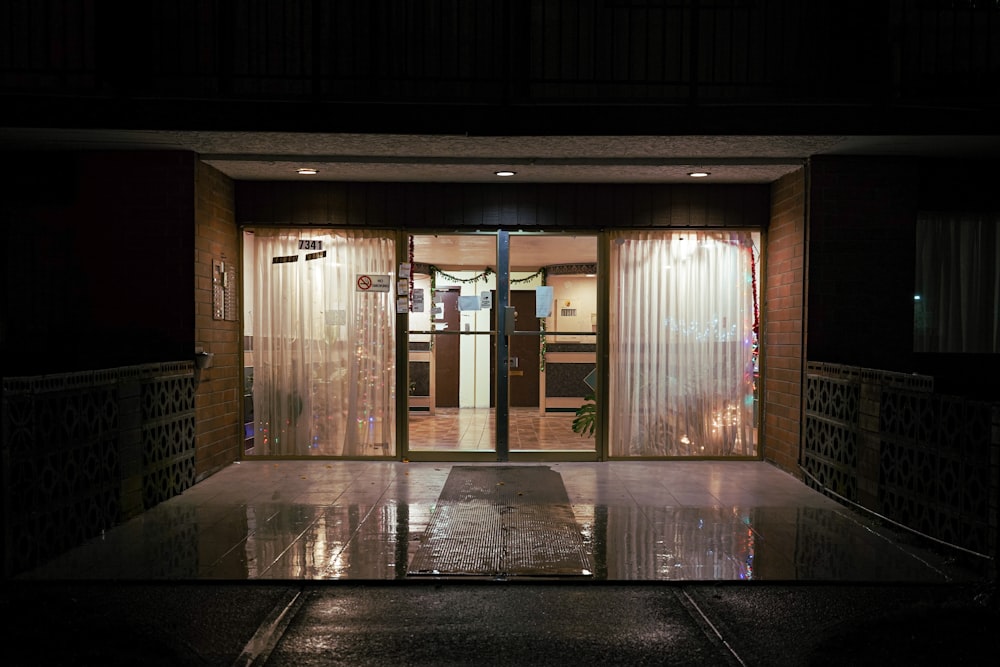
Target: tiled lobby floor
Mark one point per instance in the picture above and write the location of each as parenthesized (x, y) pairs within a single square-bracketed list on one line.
[(640, 521), (470, 429)]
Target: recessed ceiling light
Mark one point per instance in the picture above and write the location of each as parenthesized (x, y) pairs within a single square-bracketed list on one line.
[(504, 172), (698, 174), (307, 171)]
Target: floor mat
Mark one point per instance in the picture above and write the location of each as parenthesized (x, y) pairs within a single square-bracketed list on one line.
[(502, 521)]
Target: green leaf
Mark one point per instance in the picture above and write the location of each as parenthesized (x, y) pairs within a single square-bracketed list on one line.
[(585, 421)]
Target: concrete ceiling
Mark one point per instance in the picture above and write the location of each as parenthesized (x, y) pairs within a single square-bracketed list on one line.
[(474, 159)]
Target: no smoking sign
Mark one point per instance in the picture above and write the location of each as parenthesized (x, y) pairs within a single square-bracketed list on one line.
[(373, 283)]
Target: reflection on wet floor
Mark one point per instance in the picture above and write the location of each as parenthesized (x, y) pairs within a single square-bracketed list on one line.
[(640, 521)]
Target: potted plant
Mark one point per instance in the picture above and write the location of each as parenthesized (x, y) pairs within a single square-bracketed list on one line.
[(586, 417)]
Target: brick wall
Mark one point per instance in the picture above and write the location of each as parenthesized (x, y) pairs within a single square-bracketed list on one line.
[(217, 387), (782, 322)]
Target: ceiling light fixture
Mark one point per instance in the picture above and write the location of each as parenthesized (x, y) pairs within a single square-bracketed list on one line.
[(504, 172), (698, 174), (307, 171)]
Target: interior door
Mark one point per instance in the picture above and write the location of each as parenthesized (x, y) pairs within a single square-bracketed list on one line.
[(448, 366), (523, 351)]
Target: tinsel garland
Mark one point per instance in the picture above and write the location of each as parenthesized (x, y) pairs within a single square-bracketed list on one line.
[(435, 271), (527, 279), (484, 275), (753, 284), (755, 352)]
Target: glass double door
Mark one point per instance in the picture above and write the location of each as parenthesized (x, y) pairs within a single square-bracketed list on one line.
[(501, 345)]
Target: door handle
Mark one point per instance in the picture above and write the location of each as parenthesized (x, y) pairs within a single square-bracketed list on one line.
[(509, 320)]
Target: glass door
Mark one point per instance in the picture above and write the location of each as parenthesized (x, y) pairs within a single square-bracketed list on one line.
[(452, 347), (501, 345), (552, 354)]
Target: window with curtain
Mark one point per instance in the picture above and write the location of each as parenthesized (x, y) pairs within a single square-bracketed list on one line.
[(682, 344), (957, 288), (323, 349)]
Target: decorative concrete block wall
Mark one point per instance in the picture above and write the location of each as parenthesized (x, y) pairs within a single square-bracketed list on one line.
[(888, 443), (83, 452)]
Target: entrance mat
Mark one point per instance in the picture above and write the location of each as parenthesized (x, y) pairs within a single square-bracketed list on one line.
[(502, 521)]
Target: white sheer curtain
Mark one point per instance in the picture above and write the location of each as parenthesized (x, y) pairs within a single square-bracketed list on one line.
[(324, 352), (681, 371), (957, 297)]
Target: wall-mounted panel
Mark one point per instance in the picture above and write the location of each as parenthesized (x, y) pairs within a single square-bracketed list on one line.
[(548, 206)]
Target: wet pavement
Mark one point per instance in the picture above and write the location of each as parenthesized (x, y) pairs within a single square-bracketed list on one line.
[(497, 623), (695, 563), (640, 521)]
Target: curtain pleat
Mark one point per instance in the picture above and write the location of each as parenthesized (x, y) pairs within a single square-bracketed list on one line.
[(324, 352), (957, 287), (681, 372)]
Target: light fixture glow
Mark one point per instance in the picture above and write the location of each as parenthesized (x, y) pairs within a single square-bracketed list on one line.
[(698, 174), (307, 171), (504, 172)]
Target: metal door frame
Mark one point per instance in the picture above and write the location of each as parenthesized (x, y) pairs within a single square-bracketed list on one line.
[(505, 328)]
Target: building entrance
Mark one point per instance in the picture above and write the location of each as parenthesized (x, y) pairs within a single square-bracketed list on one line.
[(502, 345)]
